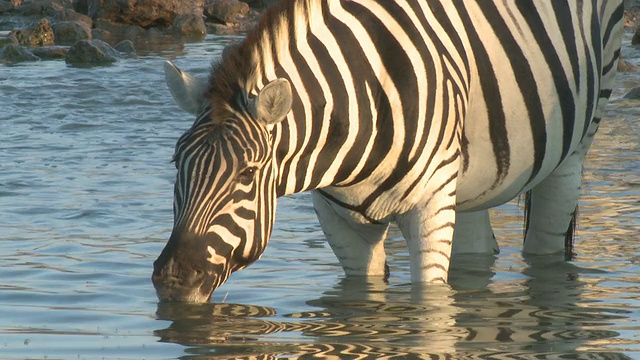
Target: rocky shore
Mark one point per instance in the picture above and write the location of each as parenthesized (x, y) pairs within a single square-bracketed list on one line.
[(96, 32), (103, 31)]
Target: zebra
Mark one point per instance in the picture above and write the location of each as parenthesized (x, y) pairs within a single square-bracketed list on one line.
[(425, 113)]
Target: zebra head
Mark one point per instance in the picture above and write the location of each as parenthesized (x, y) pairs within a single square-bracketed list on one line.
[(224, 194)]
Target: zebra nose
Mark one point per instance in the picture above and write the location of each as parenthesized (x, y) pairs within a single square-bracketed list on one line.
[(161, 271), (172, 274)]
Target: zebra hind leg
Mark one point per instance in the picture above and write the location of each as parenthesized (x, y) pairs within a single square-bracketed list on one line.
[(569, 236), (358, 244)]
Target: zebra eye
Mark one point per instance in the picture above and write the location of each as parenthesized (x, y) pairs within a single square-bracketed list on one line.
[(247, 175)]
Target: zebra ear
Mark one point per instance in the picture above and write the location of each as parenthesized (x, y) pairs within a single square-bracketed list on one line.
[(186, 90), (273, 102)]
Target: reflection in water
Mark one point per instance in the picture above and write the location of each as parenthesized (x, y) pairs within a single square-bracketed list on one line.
[(544, 315)]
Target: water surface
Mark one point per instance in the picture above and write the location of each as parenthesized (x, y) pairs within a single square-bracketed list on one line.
[(85, 208)]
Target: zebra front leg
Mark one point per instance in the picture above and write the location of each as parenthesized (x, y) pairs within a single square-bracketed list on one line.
[(473, 234), (358, 244), (429, 234)]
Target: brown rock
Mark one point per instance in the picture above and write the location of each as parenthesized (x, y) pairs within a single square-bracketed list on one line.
[(40, 34), (625, 66), (68, 32), (71, 15), (42, 7), (260, 4), (144, 13), (189, 24), (225, 11), (118, 31)]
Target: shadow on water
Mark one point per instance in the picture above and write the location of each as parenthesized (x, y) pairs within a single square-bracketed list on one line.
[(546, 315)]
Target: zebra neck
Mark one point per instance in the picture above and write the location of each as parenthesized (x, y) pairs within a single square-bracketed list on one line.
[(312, 145)]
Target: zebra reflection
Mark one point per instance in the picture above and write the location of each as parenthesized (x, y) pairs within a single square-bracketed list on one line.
[(540, 317)]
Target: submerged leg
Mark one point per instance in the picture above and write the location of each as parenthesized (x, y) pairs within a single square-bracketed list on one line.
[(473, 234), (429, 234), (358, 244), (551, 206)]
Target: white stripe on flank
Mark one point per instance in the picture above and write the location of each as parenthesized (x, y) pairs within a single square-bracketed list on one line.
[(388, 86)]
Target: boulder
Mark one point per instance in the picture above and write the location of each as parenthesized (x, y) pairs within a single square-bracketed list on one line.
[(13, 53), (5, 6), (117, 31), (126, 47), (633, 94), (41, 34), (9, 39), (42, 7), (68, 32), (144, 13), (70, 15), (635, 40), (260, 4), (225, 11), (625, 66), (50, 52), (189, 24), (91, 52)]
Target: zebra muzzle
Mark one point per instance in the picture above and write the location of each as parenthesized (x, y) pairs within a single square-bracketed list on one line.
[(179, 282)]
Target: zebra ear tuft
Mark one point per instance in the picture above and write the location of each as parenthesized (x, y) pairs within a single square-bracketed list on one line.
[(273, 102), (187, 91)]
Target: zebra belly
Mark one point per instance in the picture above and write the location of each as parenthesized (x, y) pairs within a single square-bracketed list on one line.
[(490, 177), (523, 120)]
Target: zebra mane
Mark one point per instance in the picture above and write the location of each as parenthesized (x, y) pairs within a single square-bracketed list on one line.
[(241, 68)]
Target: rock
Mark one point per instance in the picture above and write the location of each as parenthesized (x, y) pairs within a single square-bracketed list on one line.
[(635, 40), (81, 6), (189, 24), (633, 94), (260, 4), (50, 52), (225, 11), (13, 53), (70, 15), (126, 47), (119, 31), (144, 13), (94, 51), (241, 23), (9, 39), (5, 6), (42, 7), (68, 32), (625, 66), (40, 34)]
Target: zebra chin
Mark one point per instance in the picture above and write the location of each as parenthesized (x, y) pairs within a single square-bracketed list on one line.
[(183, 295), (172, 290)]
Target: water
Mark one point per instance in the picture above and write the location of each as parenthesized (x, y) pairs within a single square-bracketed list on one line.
[(85, 208)]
